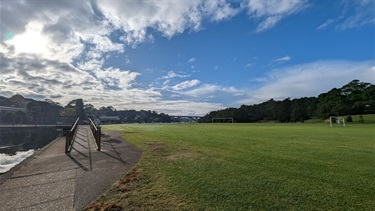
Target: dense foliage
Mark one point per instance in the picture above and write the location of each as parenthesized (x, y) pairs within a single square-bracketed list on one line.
[(128, 116), (50, 112), (354, 98)]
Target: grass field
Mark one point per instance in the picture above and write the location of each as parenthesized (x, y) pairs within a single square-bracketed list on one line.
[(247, 167)]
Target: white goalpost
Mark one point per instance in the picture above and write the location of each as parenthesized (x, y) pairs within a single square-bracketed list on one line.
[(337, 120), (222, 120)]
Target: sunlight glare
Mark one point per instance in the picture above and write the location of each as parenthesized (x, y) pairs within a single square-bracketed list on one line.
[(31, 41)]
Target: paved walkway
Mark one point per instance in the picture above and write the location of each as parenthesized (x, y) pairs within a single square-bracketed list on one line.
[(53, 180)]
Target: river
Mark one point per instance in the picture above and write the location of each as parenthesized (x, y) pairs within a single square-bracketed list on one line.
[(16, 144)]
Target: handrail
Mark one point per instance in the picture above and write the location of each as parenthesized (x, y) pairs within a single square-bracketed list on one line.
[(96, 131), (70, 136)]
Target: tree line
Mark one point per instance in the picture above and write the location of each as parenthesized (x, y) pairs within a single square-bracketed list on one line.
[(353, 98), (50, 112)]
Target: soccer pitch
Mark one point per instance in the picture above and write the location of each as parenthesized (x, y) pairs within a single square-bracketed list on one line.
[(247, 167)]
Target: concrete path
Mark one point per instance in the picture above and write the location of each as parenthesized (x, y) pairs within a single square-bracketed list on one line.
[(53, 180)]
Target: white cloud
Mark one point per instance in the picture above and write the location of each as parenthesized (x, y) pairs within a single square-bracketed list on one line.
[(116, 78), (353, 14), (272, 11), (184, 107), (268, 23), (93, 64), (192, 60), (172, 74), (283, 59), (310, 79), (185, 85), (219, 10), (203, 91), (325, 24), (168, 17), (104, 44), (211, 91), (363, 14)]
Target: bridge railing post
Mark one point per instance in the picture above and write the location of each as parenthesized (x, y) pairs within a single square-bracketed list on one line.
[(96, 132), (70, 137), (67, 143), (99, 138)]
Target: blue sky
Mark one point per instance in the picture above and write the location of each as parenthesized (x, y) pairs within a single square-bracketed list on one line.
[(183, 57)]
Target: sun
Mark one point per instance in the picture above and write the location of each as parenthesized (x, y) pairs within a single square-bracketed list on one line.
[(31, 41)]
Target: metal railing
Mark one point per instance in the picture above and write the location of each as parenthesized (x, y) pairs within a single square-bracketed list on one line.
[(96, 131), (70, 136)]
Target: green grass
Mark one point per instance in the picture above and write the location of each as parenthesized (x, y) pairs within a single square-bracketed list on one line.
[(368, 118), (247, 167)]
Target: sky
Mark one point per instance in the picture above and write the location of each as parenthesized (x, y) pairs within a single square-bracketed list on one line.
[(183, 57)]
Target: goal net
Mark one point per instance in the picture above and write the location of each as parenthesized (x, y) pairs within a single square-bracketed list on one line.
[(222, 120), (336, 120)]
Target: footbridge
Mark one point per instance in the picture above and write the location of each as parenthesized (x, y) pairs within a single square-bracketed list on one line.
[(68, 173)]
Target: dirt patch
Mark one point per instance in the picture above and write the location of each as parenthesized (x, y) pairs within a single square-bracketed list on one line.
[(108, 201), (106, 207), (130, 181)]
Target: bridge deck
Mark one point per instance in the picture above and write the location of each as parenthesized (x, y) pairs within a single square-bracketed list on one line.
[(53, 180)]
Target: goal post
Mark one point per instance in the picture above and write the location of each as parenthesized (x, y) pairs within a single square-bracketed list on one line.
[(222, 120), (336, 120)]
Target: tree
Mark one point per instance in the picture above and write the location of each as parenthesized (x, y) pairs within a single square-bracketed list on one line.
[(283, 110), (354, 93), (369, 100), (90, 110), (68, 112), (78, 105), (44, 111), (80, 111), (107, 111), (298, 112), (353, 98), (332, 104)]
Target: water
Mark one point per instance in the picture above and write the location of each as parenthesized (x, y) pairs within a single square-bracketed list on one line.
[(16, 144), (9, 161)]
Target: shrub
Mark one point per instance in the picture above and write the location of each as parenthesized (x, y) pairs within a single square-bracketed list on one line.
[(361, 120)]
